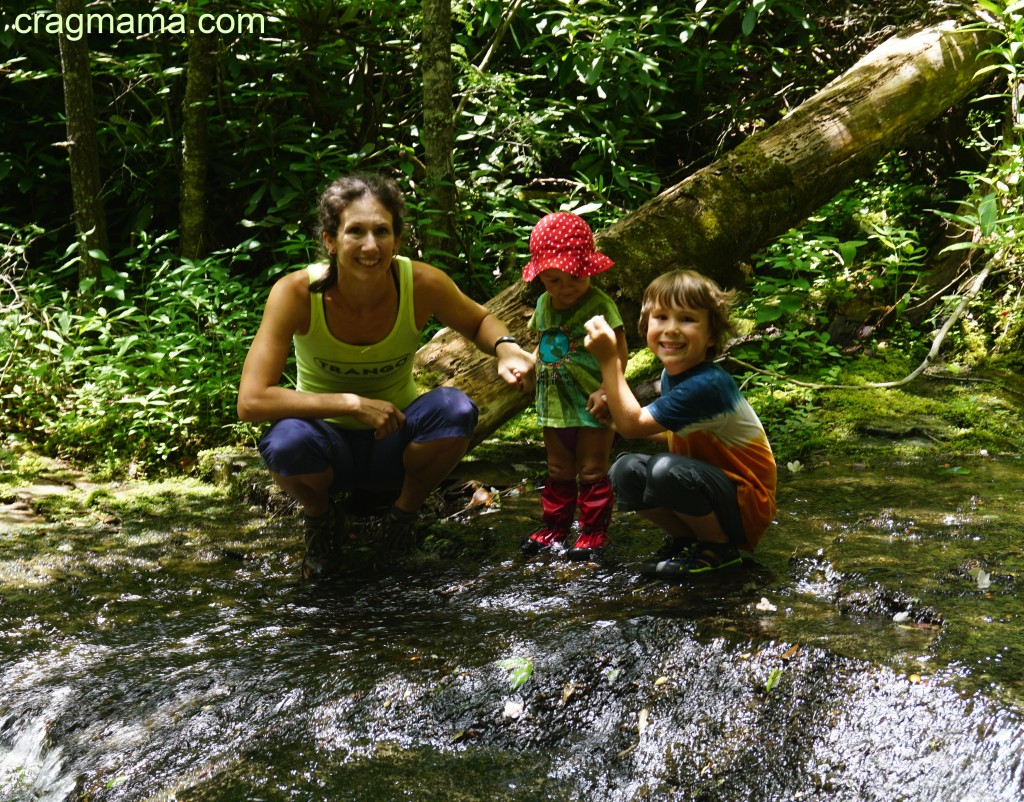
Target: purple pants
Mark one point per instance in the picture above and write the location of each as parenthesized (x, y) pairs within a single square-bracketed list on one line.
[(296, 446)]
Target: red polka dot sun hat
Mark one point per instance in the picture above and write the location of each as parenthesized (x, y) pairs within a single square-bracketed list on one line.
[(563, 241)]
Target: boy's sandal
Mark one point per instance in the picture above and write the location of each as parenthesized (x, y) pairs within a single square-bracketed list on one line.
[(701, 558), (712, 557), (675, 548)]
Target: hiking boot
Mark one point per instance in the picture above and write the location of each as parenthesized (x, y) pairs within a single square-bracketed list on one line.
[(588, 546), (702, 558), (399, 531), (323, 535)]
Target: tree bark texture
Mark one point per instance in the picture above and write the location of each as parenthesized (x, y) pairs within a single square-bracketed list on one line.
[(195, 140), (438, 128), (83, 149), (718, 217)]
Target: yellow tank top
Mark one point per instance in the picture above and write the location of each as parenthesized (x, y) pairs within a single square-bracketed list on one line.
[(382, 370)]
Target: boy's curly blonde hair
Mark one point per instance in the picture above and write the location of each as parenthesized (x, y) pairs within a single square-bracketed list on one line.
[(688, 288)]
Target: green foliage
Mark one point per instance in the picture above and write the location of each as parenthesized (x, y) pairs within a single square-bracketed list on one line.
[(994, 206), (790, 416), (582, 111), (581, 105), (860, 255), (148, 376), (1008, 18), (860, 261)]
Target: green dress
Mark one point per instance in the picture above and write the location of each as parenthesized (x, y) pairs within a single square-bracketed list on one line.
[(566, 372)]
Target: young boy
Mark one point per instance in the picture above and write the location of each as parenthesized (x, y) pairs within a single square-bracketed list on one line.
[(569, 405), (714, 491)]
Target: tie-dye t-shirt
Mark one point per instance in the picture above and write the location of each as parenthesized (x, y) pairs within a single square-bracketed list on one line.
[(567, 373), (709, 419)]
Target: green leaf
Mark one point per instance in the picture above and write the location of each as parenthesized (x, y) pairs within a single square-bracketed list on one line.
[(766, 314), (988, 212), (848, 251), (958, 246), (519, 669), (791, 303), (749, 21)]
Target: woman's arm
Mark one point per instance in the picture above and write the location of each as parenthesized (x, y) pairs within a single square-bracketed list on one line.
[(438, 295)]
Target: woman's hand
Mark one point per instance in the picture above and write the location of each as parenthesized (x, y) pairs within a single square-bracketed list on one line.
[(515, 366), (381, 416)]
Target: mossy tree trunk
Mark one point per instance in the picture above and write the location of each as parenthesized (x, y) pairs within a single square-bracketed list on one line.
[(438, 128), (195, 139), (718, 217), (83, 148)]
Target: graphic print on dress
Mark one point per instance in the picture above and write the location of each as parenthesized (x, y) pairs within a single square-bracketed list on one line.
[(555, 346)]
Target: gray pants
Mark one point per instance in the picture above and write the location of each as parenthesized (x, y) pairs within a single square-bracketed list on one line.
[(682, 484)]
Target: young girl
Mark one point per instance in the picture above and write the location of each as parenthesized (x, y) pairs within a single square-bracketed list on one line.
[(714, 491), (570, 404)]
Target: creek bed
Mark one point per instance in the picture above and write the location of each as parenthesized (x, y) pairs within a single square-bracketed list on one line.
[(871, 650)]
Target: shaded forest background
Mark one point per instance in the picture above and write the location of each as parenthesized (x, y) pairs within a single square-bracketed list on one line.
[(128, 354)]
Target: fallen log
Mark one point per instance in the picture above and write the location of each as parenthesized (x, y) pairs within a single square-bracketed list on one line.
[(718, 217)]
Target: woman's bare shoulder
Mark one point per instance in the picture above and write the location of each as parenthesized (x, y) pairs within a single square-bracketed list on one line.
[(288, 304), (433, 286), (293, 286), (439, 296)]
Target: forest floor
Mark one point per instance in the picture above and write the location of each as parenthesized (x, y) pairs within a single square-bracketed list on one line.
[(948, 416)]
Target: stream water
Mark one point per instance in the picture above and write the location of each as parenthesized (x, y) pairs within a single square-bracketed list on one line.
[(870, 650)]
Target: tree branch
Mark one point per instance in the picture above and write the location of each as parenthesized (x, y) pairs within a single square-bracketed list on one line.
[(485, 62), (933, 352)]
